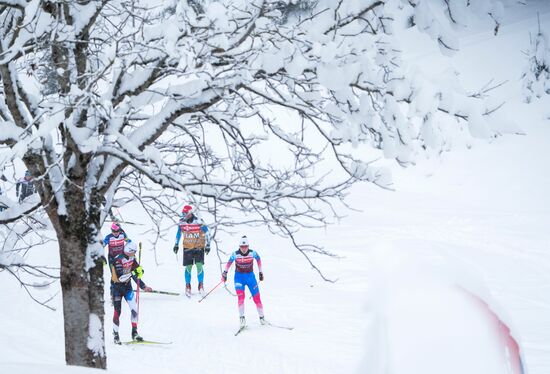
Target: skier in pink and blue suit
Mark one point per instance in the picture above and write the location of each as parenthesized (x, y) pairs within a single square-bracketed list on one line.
[(115, 242), (244, 277)]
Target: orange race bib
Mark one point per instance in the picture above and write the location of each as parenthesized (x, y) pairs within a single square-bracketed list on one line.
[(193, 236)]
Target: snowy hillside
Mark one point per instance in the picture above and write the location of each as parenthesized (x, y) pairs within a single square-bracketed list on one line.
[(474, 219)]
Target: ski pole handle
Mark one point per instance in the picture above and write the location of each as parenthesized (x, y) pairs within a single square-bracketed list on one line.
[(209, 292)]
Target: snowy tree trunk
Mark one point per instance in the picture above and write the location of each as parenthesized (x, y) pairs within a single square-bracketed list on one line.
[(82, 298), (81, 282)]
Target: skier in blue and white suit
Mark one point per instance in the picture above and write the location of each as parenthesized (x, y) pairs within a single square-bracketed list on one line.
[(125, 267)]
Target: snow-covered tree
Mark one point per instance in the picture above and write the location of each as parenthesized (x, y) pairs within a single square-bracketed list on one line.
[(536, 77), (272, 108)]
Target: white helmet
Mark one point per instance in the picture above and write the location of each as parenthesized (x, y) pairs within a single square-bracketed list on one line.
[(243, 242), (130, 248)]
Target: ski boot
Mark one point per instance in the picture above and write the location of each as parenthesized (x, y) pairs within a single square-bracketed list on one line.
[(201, 288), (263, 321), (135, 335), (242, 322), (116, 338), (188, 289)]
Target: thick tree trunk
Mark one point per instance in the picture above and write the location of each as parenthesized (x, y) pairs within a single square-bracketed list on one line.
[(82, 304), (81, 281)]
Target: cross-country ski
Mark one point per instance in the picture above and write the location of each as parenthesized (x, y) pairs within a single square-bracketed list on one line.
[(162, 292), (268, 324), (145, 342), (279, 326), (241, 329)]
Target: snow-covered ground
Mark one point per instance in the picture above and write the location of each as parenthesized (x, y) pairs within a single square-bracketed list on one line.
[(478, 217)]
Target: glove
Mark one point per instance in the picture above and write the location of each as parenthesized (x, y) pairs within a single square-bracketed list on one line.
[(207, 249), (261, 276), (176, 248), (148, 289), (139, 272), (224, 276)]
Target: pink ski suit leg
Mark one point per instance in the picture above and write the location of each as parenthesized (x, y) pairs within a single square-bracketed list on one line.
[(240, 302), (259, 305)]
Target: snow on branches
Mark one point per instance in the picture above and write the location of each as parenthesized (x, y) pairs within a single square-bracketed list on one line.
[(209, 84)]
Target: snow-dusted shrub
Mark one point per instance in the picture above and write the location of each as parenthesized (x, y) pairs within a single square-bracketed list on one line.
[(536, 77)]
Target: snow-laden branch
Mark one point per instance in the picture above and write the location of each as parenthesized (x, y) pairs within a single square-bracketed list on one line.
[(15, 211)]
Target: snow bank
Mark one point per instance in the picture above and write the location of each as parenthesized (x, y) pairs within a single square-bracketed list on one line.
[(422, 319)]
